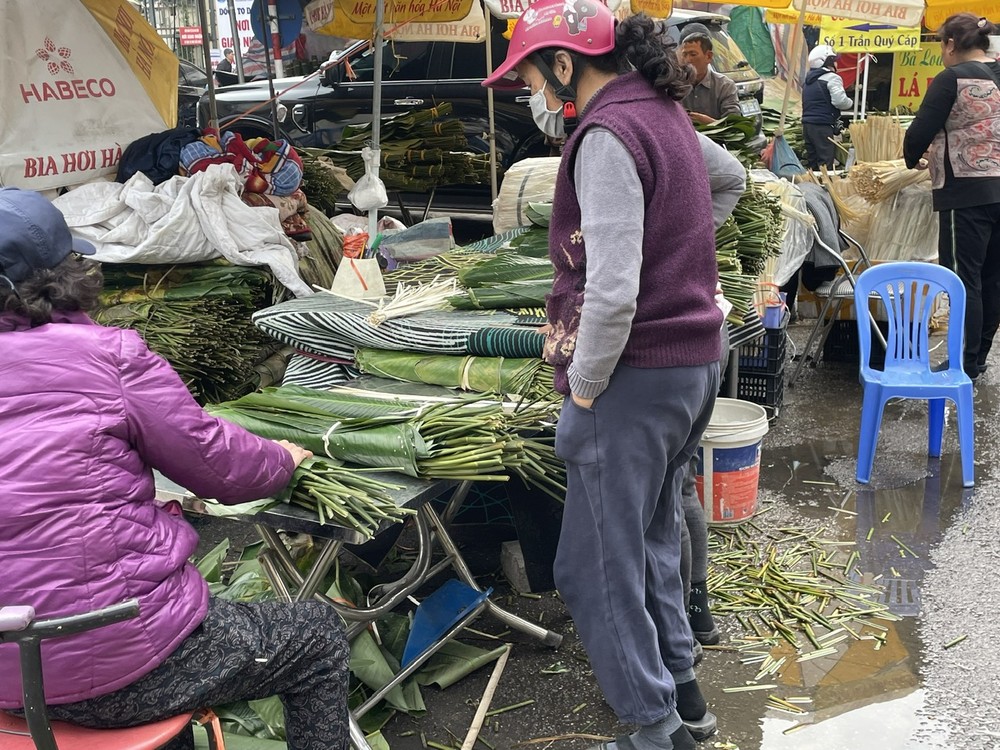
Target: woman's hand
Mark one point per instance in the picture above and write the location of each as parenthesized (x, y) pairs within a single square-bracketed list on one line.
[(922, 164), (583, 403), (545, 330), (299, 454)]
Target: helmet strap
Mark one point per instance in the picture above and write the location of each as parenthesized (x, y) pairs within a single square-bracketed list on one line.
[(565, 92)]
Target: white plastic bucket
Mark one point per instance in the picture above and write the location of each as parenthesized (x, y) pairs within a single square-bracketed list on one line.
[(729, 461)]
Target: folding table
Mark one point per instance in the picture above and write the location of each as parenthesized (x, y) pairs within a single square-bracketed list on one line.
[(431, 531)]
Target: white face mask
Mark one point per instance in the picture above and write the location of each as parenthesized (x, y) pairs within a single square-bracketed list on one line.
[(548, 121)]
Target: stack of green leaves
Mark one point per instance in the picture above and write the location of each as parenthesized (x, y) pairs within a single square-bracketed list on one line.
[(504, 281), (345, 497), (734, 132), (761, 223), (420, 150), (197, 317), (459, 438), (531, 378)]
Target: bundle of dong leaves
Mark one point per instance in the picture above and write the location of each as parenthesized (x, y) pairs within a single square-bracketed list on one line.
[(420, 150), (734, 132), (527, 377), (460, 438), (197, 317)]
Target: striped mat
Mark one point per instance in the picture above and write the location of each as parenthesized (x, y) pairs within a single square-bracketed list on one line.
[(316, 373), (333, 326)]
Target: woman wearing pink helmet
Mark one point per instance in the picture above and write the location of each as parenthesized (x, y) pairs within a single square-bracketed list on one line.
[(634, 336)]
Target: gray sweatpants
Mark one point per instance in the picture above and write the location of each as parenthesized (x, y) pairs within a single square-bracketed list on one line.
[(618, 563)]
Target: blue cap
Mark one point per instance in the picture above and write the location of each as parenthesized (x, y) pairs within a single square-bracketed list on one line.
[(33, 235)]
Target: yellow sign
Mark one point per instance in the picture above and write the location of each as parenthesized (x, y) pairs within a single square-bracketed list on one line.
[(912, 73), (862, 36), (895, 12), (791, 16), (355, 19), (653, 8)]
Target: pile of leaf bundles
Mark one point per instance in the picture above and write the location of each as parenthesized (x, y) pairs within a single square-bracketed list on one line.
[(736, 287), (759, 218), (457, 438), (531, 378), (733, 132), (505, 281), (197, 317), (881, 180), (343, 496), (419, 150), (323, 252)]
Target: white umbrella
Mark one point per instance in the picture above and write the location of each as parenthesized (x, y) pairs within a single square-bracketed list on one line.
[(79, 81)]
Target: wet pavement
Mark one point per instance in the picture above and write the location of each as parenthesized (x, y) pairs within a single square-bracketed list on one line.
[(932, 685), (933, 682)]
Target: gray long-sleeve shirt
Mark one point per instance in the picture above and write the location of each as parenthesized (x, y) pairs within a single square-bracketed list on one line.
[(611, 205)]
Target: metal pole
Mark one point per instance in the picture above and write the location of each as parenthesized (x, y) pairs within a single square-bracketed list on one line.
[(492, 136), (207, 51), (237, 45), (864, 87), (377, 109), (272, 12), (794, 65), (270, 78)]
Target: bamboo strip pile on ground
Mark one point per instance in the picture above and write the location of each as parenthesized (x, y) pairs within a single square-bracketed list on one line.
[(784, 583), (195, 316)]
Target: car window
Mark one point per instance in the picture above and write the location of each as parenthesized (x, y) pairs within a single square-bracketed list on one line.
[(401, 61), (192, 75), (728, 54)]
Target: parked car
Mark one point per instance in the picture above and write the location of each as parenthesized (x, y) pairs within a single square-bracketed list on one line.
[(416, 75), (191, 84)]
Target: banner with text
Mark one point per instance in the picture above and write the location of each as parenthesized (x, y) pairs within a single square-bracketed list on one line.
[(862, 36), (514, 8), (895, 12), (77, 87), (245, 34), (912, 73)]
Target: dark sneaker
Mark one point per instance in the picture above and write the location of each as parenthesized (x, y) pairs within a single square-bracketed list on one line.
[(704, 727)]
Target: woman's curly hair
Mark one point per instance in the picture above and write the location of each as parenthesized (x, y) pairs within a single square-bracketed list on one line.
[(643, 45), (73, 285)]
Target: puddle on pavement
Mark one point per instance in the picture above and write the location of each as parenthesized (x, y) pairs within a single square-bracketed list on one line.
[(862, 698)]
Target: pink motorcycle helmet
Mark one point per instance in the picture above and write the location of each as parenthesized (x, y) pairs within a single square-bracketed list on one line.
[(586, 27)]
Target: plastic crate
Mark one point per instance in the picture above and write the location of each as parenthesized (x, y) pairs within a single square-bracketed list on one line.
[(842, 344), (767, 353), (766, 389)]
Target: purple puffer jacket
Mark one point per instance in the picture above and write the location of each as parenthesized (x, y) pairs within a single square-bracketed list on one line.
[(86, 414)]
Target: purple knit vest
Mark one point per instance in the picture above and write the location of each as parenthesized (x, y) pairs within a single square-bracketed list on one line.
[(676, 322)]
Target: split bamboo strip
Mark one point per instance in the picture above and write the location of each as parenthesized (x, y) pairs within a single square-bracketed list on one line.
[(879, 181)]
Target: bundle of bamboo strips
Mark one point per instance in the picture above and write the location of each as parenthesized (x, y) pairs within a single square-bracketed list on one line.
[(881, 180), (878, 138)]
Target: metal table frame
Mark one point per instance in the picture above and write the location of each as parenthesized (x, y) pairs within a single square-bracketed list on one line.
[(291, 586)]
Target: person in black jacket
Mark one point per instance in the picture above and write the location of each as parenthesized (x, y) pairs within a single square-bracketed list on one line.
[(959, 122), (823, 99), (225, 71)]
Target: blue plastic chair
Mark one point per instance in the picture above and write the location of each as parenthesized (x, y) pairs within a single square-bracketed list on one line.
[(907, 290)]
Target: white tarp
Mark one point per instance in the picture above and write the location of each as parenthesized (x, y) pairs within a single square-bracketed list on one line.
[(183, 220), (69, 101)]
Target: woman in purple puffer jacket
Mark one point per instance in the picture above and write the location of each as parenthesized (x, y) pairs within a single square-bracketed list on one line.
[(86, 414)]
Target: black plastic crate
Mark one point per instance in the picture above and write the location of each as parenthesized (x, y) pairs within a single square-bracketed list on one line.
[(842, 344), (767, 353), (766, 389)]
